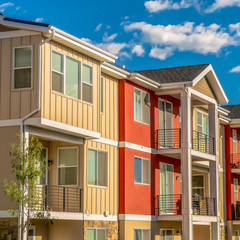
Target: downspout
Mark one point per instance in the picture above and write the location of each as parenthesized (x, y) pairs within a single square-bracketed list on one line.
[(22, 129)]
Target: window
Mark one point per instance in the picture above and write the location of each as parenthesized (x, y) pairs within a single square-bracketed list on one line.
[(22, 67), (97, 168), (67, 166), (235, 183), (43, 158), (202, 123), (141, 106), (31, 233), (96, 234), (102, 95), (234, 133), (166, 234), (198, 185), (68, 79), (141, 170), (236, 234), (142, 234)]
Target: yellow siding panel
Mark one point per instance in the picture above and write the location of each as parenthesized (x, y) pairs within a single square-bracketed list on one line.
[(203, 87)]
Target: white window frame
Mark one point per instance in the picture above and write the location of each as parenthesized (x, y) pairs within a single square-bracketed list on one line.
[(97, 228), (234, 133), (46, 170), (166, 229), (13, 67), (138, 89), (165, 101), (64, 77), (67, 167), (149, 229), (32, 227), (202, 126), (99, 186), (235, 180), (145, 159), (193, 175)]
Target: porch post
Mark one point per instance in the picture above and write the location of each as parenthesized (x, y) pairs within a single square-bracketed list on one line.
[(186, 165)]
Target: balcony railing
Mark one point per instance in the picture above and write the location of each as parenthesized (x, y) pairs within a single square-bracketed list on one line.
[(202, 142), (59, 199), (168, 138), (171, 204), (235, 162), (203, 205)]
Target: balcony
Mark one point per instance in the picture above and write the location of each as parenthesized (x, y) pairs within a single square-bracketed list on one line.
[(203, 143), (59, 199), (168, 138), (235, 163), (172, 205)]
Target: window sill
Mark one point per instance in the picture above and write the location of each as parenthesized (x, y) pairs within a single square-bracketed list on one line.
[(94, 186), (143, 184)]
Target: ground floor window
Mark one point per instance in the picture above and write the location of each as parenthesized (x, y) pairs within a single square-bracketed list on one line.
[(96, 234), (31, 233), (236, 234), (166, 234), (142, 234)]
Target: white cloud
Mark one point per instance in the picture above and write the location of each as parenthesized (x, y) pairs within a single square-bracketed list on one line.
[(138, 50), (39, 20), (99, 26), (5, 5), (183, 37), (110, 38), (17, 8), (86, 40), (235, 28), (218, 4), (235, 69), (161, 53), (114, 48), (160, 5)]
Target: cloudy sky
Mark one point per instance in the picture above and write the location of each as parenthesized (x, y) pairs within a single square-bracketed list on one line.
[(150, 34)]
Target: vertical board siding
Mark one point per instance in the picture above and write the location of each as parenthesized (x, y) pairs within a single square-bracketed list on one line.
[(16, 104), (97, 200)]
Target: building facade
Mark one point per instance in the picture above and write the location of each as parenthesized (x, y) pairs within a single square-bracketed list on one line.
[(132, 155)]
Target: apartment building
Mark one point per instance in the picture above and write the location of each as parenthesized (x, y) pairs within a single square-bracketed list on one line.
[(52, 86), (131, 155)]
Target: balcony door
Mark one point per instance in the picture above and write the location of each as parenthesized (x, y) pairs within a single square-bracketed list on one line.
[(165, 124), (166, 188)]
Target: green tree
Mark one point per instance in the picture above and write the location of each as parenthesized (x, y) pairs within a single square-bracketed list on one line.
[(27, 167)]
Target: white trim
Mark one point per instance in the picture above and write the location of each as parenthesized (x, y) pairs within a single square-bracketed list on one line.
[(100, 217), (32, 227), (202, 223), (200, 219), (235, 170), (169, 218), (111, 71), (10, 122), (136, 217), (137, 147), (7, 214), (203, 97), (165, 86), (18, 33), (203, 156), (106, 141)]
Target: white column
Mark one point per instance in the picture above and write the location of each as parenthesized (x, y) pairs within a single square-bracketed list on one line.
[(186, 165), (214, 169)]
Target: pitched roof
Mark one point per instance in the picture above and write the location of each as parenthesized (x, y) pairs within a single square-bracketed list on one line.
[(234, 110), (175, 74)]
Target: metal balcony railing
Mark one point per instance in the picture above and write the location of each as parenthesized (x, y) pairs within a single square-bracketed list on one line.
[(204, 206), (202, 142), (169, 204), (235, 161), (168, 138), (59, 199), (236, 211)]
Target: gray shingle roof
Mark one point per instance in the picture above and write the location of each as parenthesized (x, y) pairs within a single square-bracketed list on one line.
[(175, 74), (234, 110)]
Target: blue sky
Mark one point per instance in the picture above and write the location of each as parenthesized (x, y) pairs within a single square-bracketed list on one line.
[(152, 33)]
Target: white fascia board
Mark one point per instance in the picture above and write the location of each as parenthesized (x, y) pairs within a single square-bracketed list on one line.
[(144, 80), (235, 121), (113, 72), (214, 82), (223, 111), (224, 120), (62, 127), (18, 33), (202, 96), (25, 26), (10, 122), (136, 217), (84, 45)]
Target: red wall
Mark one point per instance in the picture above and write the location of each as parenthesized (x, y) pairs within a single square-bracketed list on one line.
[(137, 198)]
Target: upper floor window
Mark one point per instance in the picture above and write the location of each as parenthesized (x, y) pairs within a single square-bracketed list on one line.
[(22, 67), (97, 168), (141, 170), (68, 79), (96, 234), (198, 185), (234, 133), (67, 166), (142, 234), (202, 123), (235, 184), (141, 106)]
